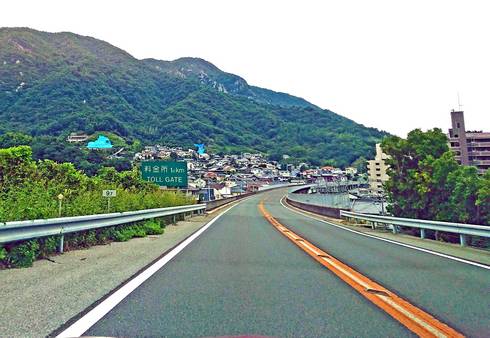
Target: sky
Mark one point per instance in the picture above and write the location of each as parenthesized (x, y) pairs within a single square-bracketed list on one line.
[(393, 65)]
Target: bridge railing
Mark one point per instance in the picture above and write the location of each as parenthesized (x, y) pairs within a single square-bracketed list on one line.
[(24, 230), (463, 230)]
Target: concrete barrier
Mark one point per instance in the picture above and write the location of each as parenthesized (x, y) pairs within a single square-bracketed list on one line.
[(321, 210), (210, 205)]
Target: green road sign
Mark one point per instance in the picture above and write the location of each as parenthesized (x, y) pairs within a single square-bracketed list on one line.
[(165, 173)]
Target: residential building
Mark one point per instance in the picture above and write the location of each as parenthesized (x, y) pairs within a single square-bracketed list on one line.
[(469, 147), (377, 171), (75, 138)]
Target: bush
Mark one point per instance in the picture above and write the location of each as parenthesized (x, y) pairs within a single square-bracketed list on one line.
[(124, 234), (90, 238), (138, 230), (104, 235), (153, 227), (47, 246), (23, 255), (73, 241), (3, 254)]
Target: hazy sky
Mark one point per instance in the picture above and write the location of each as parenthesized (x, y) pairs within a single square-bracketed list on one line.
[(394, 65)]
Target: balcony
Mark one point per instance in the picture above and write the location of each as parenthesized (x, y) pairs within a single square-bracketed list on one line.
[(479, 153), (480, 162), (478, 144)]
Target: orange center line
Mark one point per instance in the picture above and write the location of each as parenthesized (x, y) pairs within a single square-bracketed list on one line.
[(415, 319)]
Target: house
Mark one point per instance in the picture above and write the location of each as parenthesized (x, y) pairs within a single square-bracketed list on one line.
[(76, 137)]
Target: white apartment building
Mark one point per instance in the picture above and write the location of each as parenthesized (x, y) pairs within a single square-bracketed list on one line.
[(377, 171)]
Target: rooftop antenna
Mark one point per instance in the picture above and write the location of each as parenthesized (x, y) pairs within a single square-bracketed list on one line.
[(460, 106)]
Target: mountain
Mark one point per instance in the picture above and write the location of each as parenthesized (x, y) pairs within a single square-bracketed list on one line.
[(57, 83), (208, 74)]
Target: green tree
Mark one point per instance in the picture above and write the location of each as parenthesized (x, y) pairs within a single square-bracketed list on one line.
[(409, 189), (426, 182), (483, 198), (14, 139), (360, 164)]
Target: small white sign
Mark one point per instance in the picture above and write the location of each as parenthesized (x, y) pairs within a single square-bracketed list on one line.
[(109, 193)]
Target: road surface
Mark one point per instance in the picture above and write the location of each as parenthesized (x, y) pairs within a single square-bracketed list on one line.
[(242, 277)]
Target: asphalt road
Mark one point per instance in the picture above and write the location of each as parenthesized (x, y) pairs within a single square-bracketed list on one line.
[(242, 277)]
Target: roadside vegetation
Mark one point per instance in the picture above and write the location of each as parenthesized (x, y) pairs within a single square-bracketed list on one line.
[(426, 182), (29, 189)]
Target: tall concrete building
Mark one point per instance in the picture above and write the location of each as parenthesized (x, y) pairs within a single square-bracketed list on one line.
[(377, 171), (470, 147)]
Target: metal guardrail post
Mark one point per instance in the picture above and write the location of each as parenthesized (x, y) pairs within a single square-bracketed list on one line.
[(62, 242), (465, 231), (463, 240)]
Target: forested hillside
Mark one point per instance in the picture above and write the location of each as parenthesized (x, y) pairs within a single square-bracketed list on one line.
[(57, 83)]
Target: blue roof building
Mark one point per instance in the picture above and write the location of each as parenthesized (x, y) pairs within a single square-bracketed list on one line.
[(200, 148), (102, 142)]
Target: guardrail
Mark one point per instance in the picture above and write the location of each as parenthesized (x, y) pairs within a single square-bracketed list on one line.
[(457, 228), (210, 205), (323, 204), (24, 230)]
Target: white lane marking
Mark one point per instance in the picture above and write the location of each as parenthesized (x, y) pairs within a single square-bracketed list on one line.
[(461, 260), (93, 316)]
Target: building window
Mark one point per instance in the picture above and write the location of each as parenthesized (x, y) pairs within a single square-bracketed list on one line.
[(457, 125)]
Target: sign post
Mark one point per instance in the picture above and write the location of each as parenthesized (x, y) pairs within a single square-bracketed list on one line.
[(60, 203), (108, 194), (165, 173)]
